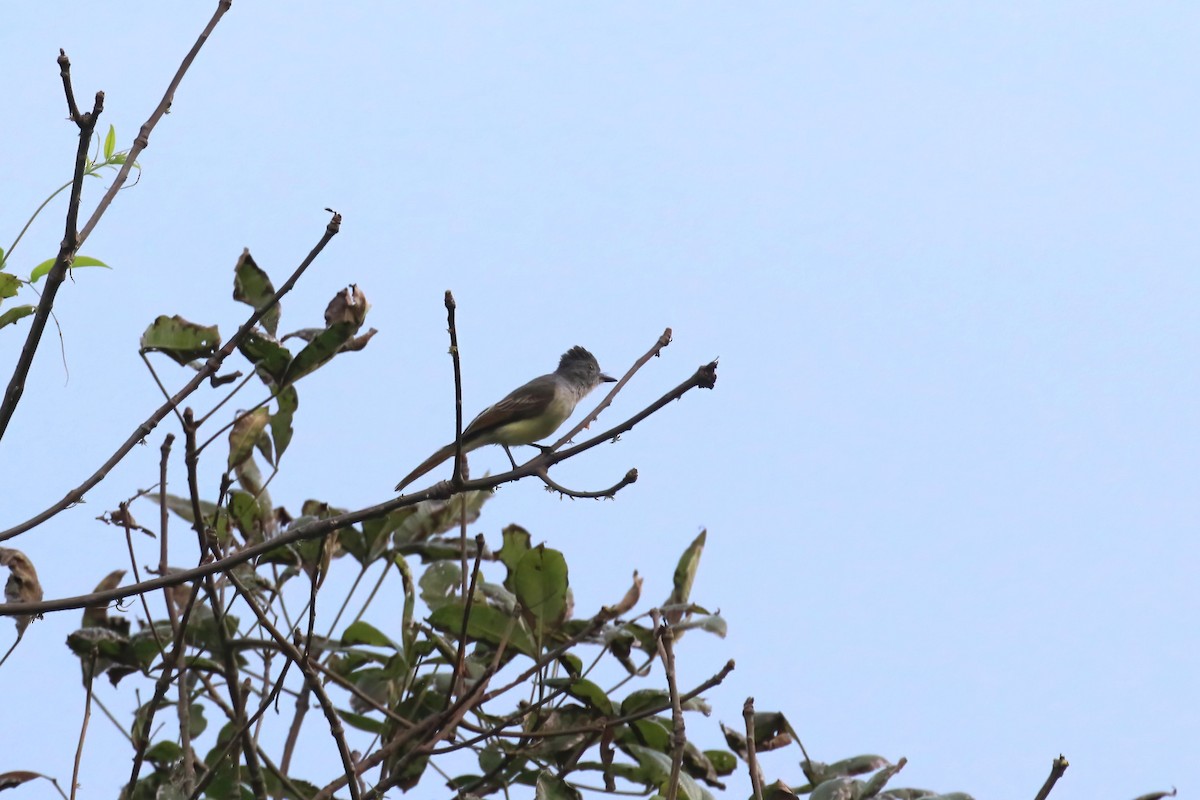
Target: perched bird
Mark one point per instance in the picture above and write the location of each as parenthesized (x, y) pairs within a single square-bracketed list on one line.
[(529, 413)]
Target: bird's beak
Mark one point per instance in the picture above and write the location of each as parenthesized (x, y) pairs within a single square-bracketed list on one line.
[(607, 378)]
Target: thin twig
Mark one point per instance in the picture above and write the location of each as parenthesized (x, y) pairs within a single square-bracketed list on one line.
[(751, 759), (1057, 768), (289, 744), (663, 341), (603, 494), (458, 412), (312, 680), (263, 706), (158, 382), (210, 367), (456, 680), (87, 715), (143, 138), (183, 700), (228, 659), (666, 651), (160, 690), (125, 520)]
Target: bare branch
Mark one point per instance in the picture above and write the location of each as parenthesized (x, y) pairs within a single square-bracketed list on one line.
[(603, 494), (1057, 768), (666, 651), (751, 758), (143, 137), (87, 715), (663, 341)]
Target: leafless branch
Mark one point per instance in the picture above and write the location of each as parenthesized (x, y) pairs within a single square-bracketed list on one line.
[(1057, 768), (87, 715), (143, 138), (468, 602), (751, 758), (603, 494), (666, 651), (663, 341)]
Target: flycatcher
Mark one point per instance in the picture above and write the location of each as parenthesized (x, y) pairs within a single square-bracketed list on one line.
[(528, 414)]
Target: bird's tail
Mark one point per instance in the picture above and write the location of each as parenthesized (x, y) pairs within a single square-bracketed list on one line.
[(429, 463)]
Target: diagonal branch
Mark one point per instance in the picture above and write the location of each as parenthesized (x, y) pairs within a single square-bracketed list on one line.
[(143, 138)]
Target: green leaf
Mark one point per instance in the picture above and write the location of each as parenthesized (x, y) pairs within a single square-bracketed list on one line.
[(9, 285), (685, 574), (343, 317), (197, 723), (269, 357), (440, 583), (247, 515), (644, 699), (586, 691), (712, 623), (281, 421), (244, 434), (363, 723), (183, 341), (252, 287), (183, 506), (486, 624), (657, 768), (14, 314), (540, 584), (164, 753), (723, 761), (40, 270), (551, 787), (438, 516), (110, 143), (44, 268), (408, 631), (364, 633), (323, 347), (516, 545)]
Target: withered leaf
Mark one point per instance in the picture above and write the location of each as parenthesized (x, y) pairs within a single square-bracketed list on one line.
[(22, 585)]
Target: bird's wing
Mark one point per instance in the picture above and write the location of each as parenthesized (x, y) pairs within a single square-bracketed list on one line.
[(525, 403)]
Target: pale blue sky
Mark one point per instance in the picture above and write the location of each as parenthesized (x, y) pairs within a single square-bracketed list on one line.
[(947, 254)]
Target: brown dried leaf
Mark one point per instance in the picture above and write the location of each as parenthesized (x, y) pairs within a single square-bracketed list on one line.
[(22, 585), (348, 305), (628, 601), (97, 616), (11, 780)]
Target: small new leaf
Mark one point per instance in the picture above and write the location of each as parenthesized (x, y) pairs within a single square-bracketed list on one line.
[(44, 268)]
